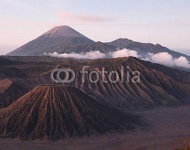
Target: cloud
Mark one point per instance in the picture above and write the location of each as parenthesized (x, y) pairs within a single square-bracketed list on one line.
[(124, 53), (87, 55), (82, 17), (167, 59), (182, 62), (162, 58), (95, 54)]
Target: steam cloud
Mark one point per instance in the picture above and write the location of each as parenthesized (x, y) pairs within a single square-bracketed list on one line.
[(163, 58)]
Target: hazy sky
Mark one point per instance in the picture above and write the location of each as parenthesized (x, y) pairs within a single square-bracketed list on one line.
[(166, 22)]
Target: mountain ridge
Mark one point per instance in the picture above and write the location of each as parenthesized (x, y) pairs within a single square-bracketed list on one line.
[(144, 48), (64, 39)]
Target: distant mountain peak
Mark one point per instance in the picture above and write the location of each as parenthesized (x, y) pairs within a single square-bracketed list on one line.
[(55, 40), (62, 31), (124, 39)]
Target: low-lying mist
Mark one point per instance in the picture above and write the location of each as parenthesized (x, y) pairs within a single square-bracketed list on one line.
[(163, 58)]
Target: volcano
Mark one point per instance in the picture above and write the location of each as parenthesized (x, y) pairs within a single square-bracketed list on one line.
[(160, 86), (54, 40), (57, 112)]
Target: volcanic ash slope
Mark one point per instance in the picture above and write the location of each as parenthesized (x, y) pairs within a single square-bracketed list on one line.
[(57, 112)]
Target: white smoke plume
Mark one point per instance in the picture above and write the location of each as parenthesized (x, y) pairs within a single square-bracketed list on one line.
[(162, 58)]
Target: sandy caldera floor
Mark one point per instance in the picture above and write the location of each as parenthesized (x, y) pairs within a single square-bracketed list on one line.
[(169, 129)]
